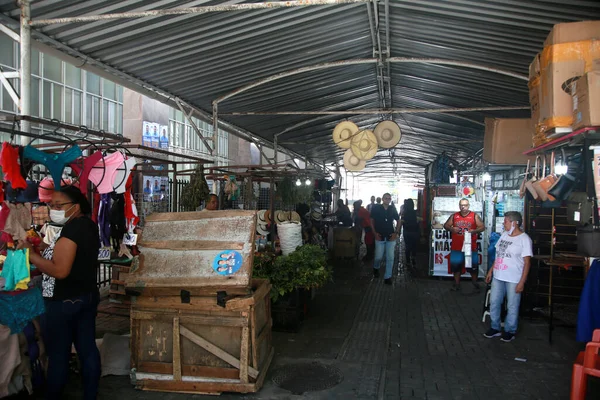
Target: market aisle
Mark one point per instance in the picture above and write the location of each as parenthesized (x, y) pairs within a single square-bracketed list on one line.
[(437, 350)]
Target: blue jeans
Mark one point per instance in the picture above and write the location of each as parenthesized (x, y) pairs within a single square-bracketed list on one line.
[(66, 322), (388, 247), (499, 289)]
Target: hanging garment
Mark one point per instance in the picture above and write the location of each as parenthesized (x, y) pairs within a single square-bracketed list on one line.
[(4, 212), (9, 161), (131, 213), (18, 221), (96, 206), (104, 220), (54, 162), (40, 215), (10, 356), (27, 195), (103, 174), (18, 308), (122, 176), (50, 232), (1, 190), (16, 269), (88, 164), (117, 220)]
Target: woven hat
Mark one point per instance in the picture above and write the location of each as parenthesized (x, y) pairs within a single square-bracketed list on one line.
[(280, 216), (387, 133), (343, 132), (364, 145), (262, 229), (353, 163)]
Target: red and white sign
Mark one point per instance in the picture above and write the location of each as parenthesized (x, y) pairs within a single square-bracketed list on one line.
[(441, 240)]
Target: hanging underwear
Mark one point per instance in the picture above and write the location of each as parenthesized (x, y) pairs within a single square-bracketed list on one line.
[(103, 175), (9, 161), (18, 221), (103, 219), (88, 163), (40, 215), (131, 214), (16, 269), (50, 232), (54, 162), (122, 175)]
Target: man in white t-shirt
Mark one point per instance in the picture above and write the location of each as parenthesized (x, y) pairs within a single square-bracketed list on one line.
[(513, 259)]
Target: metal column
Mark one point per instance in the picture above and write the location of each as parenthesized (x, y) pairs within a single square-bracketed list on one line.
[(25, 91)]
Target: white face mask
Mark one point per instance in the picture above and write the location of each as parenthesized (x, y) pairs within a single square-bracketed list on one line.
[(513, 226), (58, 216)]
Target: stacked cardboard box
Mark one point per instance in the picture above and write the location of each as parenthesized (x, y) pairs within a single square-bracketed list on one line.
[(586, 100), (570, 51)]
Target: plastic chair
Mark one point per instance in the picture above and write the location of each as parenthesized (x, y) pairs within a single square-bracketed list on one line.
[(587, 363)]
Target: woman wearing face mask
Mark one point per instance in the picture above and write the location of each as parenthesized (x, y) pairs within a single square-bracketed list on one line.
[(508, 276), (70, 292)]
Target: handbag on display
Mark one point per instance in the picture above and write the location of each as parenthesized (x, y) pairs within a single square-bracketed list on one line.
[(546, 181), (522, 188), (565, 183), (588, 239), (579, 208), (529, 185)]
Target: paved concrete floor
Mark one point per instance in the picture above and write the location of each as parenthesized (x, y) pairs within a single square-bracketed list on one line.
[(414, 339)]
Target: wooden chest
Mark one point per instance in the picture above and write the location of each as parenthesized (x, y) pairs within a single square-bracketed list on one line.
[(199, 323)]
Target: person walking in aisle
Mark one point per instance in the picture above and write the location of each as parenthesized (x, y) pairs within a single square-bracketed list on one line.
[(410, 224), (382, 224), (508, 276)]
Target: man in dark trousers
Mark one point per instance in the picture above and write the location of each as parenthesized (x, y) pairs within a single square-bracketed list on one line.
[(462, 223), (382, 222)]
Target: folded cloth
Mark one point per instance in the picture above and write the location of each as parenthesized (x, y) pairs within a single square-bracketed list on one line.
[(18, 308)]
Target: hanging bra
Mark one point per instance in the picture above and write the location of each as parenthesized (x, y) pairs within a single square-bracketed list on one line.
[(9, 160), (88, 163), (54, 162), (122, 175)]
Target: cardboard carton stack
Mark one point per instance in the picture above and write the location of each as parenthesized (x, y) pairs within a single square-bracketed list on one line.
[(506, 139), (570, 51)]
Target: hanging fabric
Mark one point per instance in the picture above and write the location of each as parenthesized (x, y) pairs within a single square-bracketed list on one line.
[(103, 219), (18, 221), (18, 308), (9, 161), (122, 176), (117, 220), (84, 174), (50, 232), (103, 173), (16, 269), (54, 162)]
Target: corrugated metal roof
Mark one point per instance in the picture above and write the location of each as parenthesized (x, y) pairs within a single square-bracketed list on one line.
[(200, 57)]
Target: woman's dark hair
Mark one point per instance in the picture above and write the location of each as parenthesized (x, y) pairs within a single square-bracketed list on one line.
[(75, 195), (409, 210)]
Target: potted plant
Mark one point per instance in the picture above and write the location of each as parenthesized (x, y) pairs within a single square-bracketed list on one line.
[(293, 277)]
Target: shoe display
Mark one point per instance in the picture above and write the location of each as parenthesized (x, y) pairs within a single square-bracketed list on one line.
[(507, 337), (492, 333), (388, 281), (375, 273)]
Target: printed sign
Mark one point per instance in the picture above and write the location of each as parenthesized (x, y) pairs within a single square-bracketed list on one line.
[(441, 240), (227, 262)]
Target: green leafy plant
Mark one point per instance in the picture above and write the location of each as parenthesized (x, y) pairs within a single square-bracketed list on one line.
[(305, 268), (196, 191)]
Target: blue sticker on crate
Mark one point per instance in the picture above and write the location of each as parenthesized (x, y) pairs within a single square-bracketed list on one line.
[(227, 262)]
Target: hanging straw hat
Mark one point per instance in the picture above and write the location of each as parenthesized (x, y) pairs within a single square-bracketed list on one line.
[(261, 217), (343, 132), (387, 133), (353, 163), (262, 229), (364, 145), (280, 216)]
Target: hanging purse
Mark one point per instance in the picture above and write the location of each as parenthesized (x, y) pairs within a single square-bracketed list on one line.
[(565, 183), (522, 188), (579, 208), (545, 182), (529, 185), (588, 239)]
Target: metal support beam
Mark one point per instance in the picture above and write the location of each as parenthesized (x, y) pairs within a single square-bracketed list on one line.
[(193, 10), (382, 111), (188, 117), (25, 90), (4, 76)]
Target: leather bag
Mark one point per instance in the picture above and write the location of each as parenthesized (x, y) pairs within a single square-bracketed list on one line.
[(588, 239), (522, 188), (579, 208), (529, 185), (565, 183), (546, 181)]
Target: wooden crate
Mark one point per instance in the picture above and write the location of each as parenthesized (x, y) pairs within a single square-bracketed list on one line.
[(201, 347), (199, 323)]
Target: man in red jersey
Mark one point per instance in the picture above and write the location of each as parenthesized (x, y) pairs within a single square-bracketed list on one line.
[(459, 224)]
